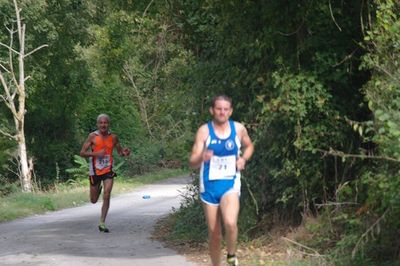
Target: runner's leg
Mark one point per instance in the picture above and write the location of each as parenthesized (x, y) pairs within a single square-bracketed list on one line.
[(94, 191), (213, 218), (230, 205), (108, 184)]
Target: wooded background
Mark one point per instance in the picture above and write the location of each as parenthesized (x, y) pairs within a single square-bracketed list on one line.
[(317, 83)]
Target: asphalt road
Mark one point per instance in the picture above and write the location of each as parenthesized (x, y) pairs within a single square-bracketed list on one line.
[(70, 236)]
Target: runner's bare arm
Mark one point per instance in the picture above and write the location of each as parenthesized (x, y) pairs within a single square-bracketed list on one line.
[(198, 154), (121, 151), (247, 144), (86, 145)]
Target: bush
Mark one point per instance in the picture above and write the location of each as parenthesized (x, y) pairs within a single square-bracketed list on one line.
[(7, 187)]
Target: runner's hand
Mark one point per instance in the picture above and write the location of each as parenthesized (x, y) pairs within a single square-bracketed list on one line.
[(207, 155), (126, 152), (100, 153), (240, 163)]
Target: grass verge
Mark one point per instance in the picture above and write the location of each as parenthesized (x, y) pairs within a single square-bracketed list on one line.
[(71, 194)]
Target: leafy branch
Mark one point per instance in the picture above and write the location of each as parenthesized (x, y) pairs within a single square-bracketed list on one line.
[(373, 230), (341, 154)]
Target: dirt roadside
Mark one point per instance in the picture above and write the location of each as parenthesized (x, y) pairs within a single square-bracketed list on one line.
[(269, 250)]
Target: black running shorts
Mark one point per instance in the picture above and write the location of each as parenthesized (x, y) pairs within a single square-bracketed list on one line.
[(96, 179)]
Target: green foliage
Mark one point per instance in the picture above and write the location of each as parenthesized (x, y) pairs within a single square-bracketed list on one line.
[(137, 56), (144, 159), (194, 232), (23, 204), (383, 90), (296, 83), (6, 186), (83, 73), (296, 123), (81, 171), (190, 222), (378, 236), (366, 233), (7, 165), (59, 84)]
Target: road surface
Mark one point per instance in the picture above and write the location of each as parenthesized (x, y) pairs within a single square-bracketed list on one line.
[(70, 236)]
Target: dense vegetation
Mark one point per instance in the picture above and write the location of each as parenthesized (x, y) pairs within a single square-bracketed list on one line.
[(316, 82)]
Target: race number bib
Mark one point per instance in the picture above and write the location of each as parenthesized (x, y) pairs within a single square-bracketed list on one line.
[(102, 162), (222, 167)]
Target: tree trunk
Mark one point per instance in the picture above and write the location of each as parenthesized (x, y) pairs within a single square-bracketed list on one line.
[(25, 176), (16, 87)]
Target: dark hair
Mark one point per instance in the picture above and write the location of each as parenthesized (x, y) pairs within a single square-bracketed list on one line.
[(221, 97)]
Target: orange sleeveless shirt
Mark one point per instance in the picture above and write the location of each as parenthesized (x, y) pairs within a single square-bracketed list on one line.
[(100, 165)]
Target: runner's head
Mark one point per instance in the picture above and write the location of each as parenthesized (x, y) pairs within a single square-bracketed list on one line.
[(103, 123), (221, 108), (221, 97)]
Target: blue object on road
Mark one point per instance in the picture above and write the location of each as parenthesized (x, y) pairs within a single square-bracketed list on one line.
[(146, 196)]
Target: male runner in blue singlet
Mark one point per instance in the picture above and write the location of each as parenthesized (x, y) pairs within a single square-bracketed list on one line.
[(221, 149)]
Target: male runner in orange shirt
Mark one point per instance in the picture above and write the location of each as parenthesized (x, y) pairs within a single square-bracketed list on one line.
[(102, 143)]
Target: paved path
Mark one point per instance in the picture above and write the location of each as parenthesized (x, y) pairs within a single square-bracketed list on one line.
[(70, 236)]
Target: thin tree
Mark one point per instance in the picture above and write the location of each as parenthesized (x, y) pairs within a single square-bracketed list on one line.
[(14, 96)]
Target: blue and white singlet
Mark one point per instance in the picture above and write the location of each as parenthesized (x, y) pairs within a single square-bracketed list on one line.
[(219, 175)]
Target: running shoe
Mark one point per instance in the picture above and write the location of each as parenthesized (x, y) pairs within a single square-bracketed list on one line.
[(103, 228), (233, 261)]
